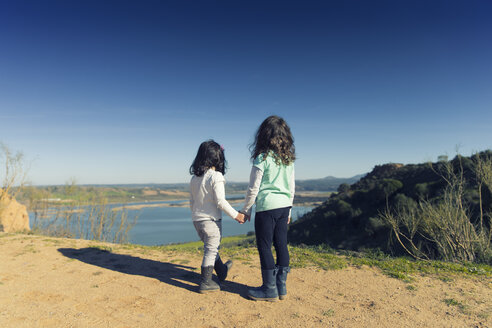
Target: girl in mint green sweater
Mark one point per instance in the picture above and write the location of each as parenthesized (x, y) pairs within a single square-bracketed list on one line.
[(272, 187)]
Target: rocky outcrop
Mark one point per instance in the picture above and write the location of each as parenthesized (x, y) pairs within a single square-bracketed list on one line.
[(13, 215)]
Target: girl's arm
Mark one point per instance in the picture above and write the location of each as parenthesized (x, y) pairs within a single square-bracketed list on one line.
[(253, 188), (222, 203), (292, 187), (191, 199)]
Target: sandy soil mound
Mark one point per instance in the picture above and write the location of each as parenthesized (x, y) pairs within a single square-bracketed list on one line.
[(52, 282), (13, 215)]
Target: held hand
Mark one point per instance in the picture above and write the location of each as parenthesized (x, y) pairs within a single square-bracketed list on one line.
[(246, 216), (240, 218), (288, 220)]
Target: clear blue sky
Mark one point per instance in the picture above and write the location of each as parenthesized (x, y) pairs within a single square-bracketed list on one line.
[(125, 91)]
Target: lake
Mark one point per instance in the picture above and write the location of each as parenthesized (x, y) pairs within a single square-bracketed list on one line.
[(166, 225)]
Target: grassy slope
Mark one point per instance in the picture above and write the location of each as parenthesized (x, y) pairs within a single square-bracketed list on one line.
[(243, 248)]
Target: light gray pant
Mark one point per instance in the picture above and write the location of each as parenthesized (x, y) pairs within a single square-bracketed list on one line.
[(210, 232)]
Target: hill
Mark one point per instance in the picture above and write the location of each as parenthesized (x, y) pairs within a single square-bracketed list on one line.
[(325, 184), (354, 218)]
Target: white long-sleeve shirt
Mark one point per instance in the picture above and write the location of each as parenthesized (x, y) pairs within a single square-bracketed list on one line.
[(207, 197)]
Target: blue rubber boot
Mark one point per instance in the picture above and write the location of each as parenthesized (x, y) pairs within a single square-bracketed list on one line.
[(268, 291), (281, 281)]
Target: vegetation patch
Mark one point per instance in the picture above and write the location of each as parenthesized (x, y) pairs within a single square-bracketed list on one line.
[(328, 313), (53, 241), (317, 256), (103, 248), (484, 315), (404, 268), (452, 302), (192, 247)]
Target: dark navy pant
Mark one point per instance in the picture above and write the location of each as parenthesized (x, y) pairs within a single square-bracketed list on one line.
[(271, 226)]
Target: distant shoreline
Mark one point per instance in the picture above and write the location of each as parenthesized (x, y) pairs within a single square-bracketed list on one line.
[(187, 204), (305, 199), (167, 204)]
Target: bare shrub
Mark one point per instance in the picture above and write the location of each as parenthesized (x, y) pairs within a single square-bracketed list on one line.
[(92, 219), (444, 228), (14, 171)]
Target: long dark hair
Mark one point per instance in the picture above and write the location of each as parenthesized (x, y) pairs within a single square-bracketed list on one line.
[(274, 136), (210, 154)]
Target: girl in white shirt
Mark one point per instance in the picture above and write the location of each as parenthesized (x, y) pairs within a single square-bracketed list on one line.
[(207, 201)]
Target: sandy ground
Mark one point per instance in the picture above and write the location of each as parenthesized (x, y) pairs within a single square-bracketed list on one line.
[(51, 282)]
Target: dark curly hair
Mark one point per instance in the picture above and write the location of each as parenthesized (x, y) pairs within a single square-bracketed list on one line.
[(274, 136), (210, 154)]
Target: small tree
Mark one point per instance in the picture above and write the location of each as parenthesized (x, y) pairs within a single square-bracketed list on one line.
[(13, 171)]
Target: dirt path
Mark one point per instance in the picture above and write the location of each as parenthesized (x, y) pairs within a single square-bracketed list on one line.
[(52, 282)]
